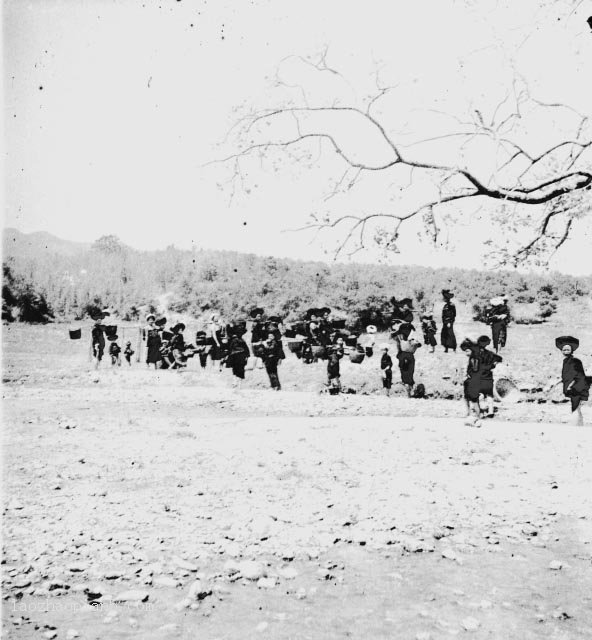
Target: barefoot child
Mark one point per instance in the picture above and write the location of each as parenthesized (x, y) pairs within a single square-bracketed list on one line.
[(429, 329), (386, 366), (128, 352), (114, 351)]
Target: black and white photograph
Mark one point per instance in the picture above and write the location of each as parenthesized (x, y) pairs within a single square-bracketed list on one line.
[(297, 320)]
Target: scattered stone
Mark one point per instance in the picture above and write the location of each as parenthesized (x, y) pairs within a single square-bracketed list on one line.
[(251, 570), (198, 591), (78, 567), (50, 635), (470, 624), (71, 634), (133, 595), (184, 564), (169, 629), (288, 573), (165, 581), (556, 565), (266, 583), (183, 604), (301, 593)]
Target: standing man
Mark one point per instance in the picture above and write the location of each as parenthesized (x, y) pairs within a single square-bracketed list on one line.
[(447, 337)]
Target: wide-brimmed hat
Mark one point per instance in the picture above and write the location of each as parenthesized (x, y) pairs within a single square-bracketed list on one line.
[(447, 293), (313, 311), (177, 327), (324, 310), (427, 316), (483, 340), (160, 322), (113, 337), (406, 301), (257, 311), (275, 319), (98, 315), (371, 329), (150, 316), (560, 342)]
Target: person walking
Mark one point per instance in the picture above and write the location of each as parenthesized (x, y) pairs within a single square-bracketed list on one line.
[(153, 338), (576, 385), (271, 358), (488, 361)]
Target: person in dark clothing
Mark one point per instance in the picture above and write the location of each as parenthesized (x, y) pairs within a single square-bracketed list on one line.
[(428, 327), (406, 348), (238, 355), (271, 358), (274, 326), (128, 352), (153, 342), (333, 369), (177, 347), (447, 337), (386, 366), (325, 329), (98, 339), (201, 346), (472, 383), (402, 310), (114, 351), (488, 361), (498, 317), (576, 385)]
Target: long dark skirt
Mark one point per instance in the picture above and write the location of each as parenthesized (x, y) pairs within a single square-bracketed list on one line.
[(153, 354), (447, 337), (472, 388), (406, 367), (271, 366)]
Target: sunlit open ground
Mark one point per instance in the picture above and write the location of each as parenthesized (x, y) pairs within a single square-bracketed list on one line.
[(292, 514)]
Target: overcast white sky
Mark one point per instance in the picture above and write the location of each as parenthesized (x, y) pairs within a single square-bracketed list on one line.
[(112, 108)]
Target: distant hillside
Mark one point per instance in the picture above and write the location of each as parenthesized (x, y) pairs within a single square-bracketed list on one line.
[(69, 278), (15, 242)]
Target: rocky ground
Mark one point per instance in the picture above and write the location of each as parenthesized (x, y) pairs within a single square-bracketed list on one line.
[(161, 505)]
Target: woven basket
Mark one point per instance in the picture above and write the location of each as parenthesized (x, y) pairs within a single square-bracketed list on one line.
[(75, 334), (295, 347), (357, 357), (506, 390)]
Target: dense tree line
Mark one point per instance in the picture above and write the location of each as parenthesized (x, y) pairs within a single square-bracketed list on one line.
[(199, 282)]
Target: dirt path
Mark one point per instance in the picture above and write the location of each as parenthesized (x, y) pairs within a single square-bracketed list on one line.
[(342, 525)]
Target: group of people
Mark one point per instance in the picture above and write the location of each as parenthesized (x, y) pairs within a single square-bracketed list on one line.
[(319, 337)]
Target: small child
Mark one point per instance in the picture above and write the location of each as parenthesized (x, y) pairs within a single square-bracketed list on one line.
[(386, 365), (128, 352), (114, 351), (472, 383), (333, 369), (428, 326)]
